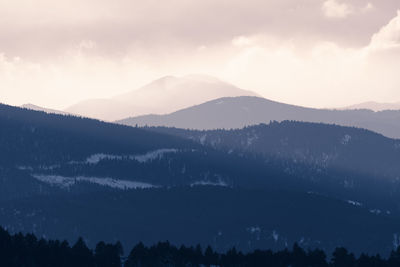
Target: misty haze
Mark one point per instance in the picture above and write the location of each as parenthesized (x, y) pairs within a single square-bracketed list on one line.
[(200, 133)]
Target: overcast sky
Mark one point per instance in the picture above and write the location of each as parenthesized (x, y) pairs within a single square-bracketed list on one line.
[(319, 53)]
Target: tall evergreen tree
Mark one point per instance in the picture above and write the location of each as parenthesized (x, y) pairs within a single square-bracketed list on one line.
[(82, 255), (342, 258)]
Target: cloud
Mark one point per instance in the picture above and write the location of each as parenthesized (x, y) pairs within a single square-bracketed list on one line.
[(334, 9), (78, 74), (51, 27), (299, 72), (387, 37), (241, 41), (321, 73), (55, 54)]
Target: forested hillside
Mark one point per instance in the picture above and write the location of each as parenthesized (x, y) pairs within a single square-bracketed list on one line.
[(29, 251), (63, 177)]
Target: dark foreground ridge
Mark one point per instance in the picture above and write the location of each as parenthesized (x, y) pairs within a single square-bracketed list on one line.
[(28, 251)]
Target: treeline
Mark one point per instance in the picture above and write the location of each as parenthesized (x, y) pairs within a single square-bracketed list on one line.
[(165, 254), (28, 251)]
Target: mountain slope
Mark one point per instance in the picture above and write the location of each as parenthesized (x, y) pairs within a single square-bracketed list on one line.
[(162, 96), (216, 216), (320, 145), (237, 112), (375, 106), (47, 110), (64, 177)]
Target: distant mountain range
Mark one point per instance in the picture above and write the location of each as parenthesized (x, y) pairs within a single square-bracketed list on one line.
[(265, 186), (162, 96), (47, 110), (237, 112), (375, 106)]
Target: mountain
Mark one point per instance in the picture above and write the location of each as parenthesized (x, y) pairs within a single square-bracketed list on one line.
[(237, 112), (322, 148), (65, 177), (375, 106), (161, 96), (47, 110)]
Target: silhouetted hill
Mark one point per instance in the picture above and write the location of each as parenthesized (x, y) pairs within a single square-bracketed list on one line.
[(238, 112)]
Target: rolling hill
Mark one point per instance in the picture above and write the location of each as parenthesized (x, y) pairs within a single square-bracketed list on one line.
[(238, 112)]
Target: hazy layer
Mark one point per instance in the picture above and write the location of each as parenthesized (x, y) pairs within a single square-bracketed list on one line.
[(162, 96), (319, 53)]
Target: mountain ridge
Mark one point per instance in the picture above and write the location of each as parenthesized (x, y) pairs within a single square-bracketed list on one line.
[(47, 110), (374, 106), (238, 112), (164, 95)]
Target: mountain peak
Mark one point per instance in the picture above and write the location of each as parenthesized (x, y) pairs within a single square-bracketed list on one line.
[(164, 95), (201, 77)]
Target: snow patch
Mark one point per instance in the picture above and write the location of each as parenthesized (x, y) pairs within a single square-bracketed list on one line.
[(51, 167), (254, 230), (251, 139), (396, 241), (55, 180), (183, 171), (375, 211), (202, 139), (149, 156), (66, 182), (206, 182), (152, 155), (275, 235), (24, 168), (346, 139), (354, 203), (96, 158), (348, 184)]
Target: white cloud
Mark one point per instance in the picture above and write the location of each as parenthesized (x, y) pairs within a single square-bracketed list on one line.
[(241, 41), (334, 9), (78, 74), (388, 36), (55, 55), (298, 72), (320, 73)]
